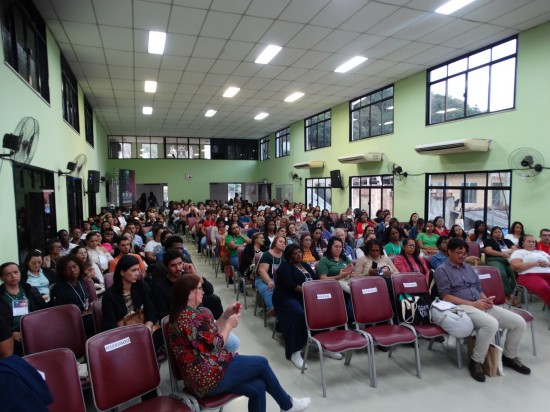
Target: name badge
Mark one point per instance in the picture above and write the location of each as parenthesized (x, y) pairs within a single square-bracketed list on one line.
[(20, 307)]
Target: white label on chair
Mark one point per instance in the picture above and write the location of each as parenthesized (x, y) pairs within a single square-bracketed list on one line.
[(117, 344), (369, 290), (410, 285), (484, 276), (324, 296)]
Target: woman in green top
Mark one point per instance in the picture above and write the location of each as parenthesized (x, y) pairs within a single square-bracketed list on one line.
[(427, 239), (233, 241), (333, 261), (393, 247)]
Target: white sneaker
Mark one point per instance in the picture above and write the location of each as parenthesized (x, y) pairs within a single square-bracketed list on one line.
[(333, 355), (299, 404), (297, 360)]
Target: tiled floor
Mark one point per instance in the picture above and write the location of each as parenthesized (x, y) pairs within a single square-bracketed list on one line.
[(442, 386)]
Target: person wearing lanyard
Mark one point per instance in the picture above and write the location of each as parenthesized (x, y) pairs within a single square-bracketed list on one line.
[(459, 284), (71, 289), (17, 299)]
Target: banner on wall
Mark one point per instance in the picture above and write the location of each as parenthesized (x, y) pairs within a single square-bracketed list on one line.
[(127, 187)]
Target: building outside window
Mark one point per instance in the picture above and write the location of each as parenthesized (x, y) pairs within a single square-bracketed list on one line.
[(371, 193), (372, 115), (282, 143), (89, 122), (319, 193), (69, 94), (474, 84), (317, 131), (264, 148)]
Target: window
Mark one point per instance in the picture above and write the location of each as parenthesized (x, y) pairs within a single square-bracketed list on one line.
[(470, 196), (264, 149), (372, 114), (282, 143), (478, 83), (24, 40), (69, 90), (233, 189), (371, 193), (317, 131), (319, 193), (89, 122)]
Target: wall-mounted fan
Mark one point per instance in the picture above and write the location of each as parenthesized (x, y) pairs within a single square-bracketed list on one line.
[(23, 141), (526, 162), (294, 176), (397, 171), (80, 162)]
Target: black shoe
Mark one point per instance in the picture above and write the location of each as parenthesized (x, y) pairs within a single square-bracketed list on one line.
[(516, 365), (230, 281), (476, 370)]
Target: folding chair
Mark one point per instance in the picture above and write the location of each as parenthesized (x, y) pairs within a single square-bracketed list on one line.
[(61, 374), (244, 283), (123, 366), (371, 307), (97, 315), (491, 283), (200, 404), (209, 244), (191, 221), (325, 310), (90, 288), (415, 283), (217, 249), (108, 279)]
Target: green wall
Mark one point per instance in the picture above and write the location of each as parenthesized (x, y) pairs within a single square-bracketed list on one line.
[(58, 143)]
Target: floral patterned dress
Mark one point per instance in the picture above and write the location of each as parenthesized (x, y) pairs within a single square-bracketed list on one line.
[(199, 350)]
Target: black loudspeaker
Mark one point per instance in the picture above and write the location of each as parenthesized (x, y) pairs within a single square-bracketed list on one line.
[(93, 181), (335, 179)]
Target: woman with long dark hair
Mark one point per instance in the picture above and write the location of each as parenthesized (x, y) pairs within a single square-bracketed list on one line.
[(409, 259), (197, 342)]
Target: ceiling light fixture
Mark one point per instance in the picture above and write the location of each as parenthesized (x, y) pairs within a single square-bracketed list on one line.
[(452, 6), (268, 54), (293, 97), (210, 113), (147, 110), (157, 39), (261, 116), (231, 91), (350, 64), (150, 86)]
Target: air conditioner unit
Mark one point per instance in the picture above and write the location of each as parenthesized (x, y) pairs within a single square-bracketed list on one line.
[(362, 158), (312, 164), (455, 146)]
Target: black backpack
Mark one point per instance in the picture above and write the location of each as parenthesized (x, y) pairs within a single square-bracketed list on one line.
[(415, 309)]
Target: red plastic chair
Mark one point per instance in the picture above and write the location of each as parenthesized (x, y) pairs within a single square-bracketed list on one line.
[(97, 316), (325, 309), (491, 283), (206, 402), (108, 279), (415, 283), (59, 367), (90, 288), (209, 244), (123, 366), (191, 222), (372, 306)]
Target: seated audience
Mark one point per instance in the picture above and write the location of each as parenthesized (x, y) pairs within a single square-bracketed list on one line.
[(544, 243), (331, 265), (427, 239), (373, 262), (441, 256), (267, 266), (394, 245), (53, 250), (497, 254), (439, 227), (91, 270), (233, 240), (96, 253), (310, 255), (409, 259), (516, 233), (35, 275)]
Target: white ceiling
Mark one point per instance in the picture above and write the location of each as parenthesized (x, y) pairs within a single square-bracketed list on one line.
[(212, 44)]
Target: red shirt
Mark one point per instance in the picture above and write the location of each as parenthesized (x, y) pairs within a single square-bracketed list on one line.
[(541, 246)]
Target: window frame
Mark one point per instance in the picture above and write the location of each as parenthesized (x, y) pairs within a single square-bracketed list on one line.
[(264, 148), (69, 95), (467, 73), (383, 102), (315, 124), (282, 142), (89, 122), (386, 182), (327, 188)]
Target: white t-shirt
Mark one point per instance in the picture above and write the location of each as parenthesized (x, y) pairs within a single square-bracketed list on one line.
[(531, 256), (512, 239), (153, 246)]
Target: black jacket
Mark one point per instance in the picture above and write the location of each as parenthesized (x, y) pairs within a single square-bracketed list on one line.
[(34, 297), (114, 307)]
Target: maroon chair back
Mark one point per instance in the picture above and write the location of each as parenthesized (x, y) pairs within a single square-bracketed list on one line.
[(334, 216), (108, 278), (219, 241), (414, 283), (324, 304), (59, 366), (191, 221), (97, 315), (53, 328), (491, 283), (371, 299), (122, 365), (302, 233), (240, 251), (473, 249), (208, 232), (257, 258), (90, 288)]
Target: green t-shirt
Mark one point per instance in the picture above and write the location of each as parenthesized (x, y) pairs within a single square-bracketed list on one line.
[(331, 267), (238, 241), (271, 261), (428, 241)]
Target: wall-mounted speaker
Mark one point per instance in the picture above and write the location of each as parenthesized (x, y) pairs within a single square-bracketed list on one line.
[(93, 181), (336, 179)]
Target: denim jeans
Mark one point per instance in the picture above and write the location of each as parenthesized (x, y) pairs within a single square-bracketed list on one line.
[(252, 377), (266, 293)]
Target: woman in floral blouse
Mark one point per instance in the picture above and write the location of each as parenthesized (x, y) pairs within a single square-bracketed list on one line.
[(197, 341)]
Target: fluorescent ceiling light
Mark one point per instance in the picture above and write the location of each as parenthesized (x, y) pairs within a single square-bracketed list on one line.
[(210, 113), (388, 123), (269, 53), (452, 6), (147, 110), (231, 91), (261, 116), (156, 42), (350, 64), (293, 97), (150, 86)]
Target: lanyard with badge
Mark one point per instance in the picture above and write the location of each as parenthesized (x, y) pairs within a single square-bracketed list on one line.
[(19, 307)]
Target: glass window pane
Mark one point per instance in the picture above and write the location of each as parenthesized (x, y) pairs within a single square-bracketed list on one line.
[(503, 81), (355, 104), (500, 179), (388, 92), (437, 102), (376, 119), (439, 73), (436, 180), (480, 58), (478, 91), (458, 66), (504, 49), (435, 203), (456, 88), (355, 126)]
